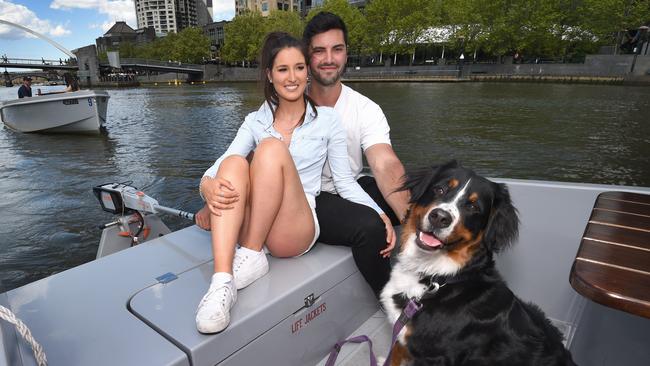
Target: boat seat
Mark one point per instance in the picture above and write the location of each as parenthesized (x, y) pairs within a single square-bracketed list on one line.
[(612, 266), (291, 316)]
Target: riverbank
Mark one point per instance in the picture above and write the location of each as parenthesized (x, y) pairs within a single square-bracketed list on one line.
[(597, 69)]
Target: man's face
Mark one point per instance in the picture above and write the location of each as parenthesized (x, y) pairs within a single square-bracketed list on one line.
[(328, 54), (27, 83)]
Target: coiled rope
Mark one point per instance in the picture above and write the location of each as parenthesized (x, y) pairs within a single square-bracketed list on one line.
[(39, 355)]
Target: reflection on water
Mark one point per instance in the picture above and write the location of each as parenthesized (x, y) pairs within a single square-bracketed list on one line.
[(163, 139)]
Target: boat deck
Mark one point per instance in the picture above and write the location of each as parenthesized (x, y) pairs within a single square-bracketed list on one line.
[(136, 307)]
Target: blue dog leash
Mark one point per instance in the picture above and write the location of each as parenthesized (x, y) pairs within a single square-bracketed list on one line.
[(409, 311)]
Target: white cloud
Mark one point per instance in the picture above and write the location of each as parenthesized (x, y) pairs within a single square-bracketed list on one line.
[(114, 10), (104, 26), (20, 14), (223, 9)]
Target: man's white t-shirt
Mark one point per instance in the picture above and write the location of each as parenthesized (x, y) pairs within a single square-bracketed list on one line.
[(365, 124)]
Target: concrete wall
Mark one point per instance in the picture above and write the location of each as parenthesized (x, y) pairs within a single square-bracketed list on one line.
[(162, 78), (594, 66), (642, 66), (597, 66), (88, 65), (221, 73)]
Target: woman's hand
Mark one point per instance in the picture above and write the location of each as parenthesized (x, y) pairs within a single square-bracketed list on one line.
[(219, 194), (202, 218), (390, 236)]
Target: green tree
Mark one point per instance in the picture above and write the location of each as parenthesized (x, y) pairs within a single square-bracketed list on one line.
[(608, 19), (398, 26), (243, 37), (284, 21), (190, 45)]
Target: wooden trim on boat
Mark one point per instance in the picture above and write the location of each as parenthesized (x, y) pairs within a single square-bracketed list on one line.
[(612, 266)]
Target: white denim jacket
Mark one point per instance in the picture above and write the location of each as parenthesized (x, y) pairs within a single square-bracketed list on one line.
[(318, 138)]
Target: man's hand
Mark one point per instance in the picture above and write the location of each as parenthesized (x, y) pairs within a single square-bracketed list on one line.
[(390, 236), (219, 194), (202, 218)]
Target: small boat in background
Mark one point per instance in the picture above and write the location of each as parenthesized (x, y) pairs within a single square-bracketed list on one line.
[(82, 111)]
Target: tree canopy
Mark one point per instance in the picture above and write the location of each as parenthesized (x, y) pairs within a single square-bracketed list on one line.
[(542, 28), (190, 45)]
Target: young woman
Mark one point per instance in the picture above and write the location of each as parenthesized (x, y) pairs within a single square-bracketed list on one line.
[(71, 82), (262, 190)]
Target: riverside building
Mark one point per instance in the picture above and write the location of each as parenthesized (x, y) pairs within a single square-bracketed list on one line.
[(266, 6), (172, 15)]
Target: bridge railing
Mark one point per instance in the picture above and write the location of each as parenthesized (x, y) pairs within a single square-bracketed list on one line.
[(175, 64), (28, 61)]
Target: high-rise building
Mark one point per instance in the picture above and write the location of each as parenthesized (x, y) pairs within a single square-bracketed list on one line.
[(172, 15), (265, 6)]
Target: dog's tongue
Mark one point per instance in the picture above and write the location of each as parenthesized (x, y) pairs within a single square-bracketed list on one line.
[(429, 240)]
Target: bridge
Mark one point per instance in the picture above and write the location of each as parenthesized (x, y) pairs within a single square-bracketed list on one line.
[(159, 66), (42, 64)]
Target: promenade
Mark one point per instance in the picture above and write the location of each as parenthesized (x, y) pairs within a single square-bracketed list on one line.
[(597, 69)]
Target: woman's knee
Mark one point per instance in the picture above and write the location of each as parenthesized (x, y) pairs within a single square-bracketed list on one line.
[(272, 150), (233, 165)]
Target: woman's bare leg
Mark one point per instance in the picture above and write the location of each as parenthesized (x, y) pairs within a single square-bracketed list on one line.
[(280, 215), (225, 229)]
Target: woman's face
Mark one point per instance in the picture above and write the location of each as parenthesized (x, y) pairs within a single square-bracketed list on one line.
[(289, 74)]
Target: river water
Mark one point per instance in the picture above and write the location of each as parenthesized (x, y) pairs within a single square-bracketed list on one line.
[(163, 138)]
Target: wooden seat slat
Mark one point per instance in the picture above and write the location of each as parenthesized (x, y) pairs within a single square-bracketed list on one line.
[(623, 206), (624, 257), (621, 220), (622, 236), (626, 196)]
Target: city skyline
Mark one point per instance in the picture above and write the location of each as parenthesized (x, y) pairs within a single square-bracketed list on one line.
[(71, 23)]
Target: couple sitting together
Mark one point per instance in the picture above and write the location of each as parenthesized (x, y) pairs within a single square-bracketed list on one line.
[(292, 174)]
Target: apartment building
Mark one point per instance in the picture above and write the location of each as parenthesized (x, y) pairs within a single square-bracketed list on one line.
[(266, 6), (172, 15)]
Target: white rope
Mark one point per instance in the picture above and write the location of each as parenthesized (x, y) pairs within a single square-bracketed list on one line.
[(7, 315)]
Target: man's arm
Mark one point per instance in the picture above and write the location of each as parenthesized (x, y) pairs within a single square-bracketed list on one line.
[(388, 172)]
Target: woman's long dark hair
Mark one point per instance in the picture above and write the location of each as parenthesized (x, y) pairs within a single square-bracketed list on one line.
[(273, 44), (71, 81)]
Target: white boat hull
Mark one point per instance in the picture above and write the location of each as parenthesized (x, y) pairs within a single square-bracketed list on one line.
[(82, 111)]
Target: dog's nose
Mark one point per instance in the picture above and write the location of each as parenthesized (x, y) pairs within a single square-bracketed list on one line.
[(439, 218)]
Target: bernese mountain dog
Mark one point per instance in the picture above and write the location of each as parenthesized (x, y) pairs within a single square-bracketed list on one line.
[(456, 222)]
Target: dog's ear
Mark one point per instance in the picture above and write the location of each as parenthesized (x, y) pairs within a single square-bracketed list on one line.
[(503, 225), (417, 182)]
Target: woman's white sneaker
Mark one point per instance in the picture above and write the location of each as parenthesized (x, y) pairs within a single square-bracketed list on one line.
[(248, 265), (213, 312)]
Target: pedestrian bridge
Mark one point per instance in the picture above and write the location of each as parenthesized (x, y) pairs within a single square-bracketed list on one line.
[(159, 66), (129, 63), (25, 63)]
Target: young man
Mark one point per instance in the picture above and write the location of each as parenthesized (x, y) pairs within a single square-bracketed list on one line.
[(25, 90), (343, 222)]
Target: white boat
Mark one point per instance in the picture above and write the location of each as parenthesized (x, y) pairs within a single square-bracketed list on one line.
[(82, 111), (136, 306)]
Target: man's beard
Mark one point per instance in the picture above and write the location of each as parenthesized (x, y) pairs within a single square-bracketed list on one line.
[(328, 81)]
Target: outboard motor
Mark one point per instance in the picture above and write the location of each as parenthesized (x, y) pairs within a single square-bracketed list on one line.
[(137, 221)]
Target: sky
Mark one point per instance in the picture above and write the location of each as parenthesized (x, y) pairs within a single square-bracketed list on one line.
[(71, 23)]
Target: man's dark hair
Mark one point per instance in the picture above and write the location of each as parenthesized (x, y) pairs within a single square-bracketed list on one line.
[(321, 23)]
